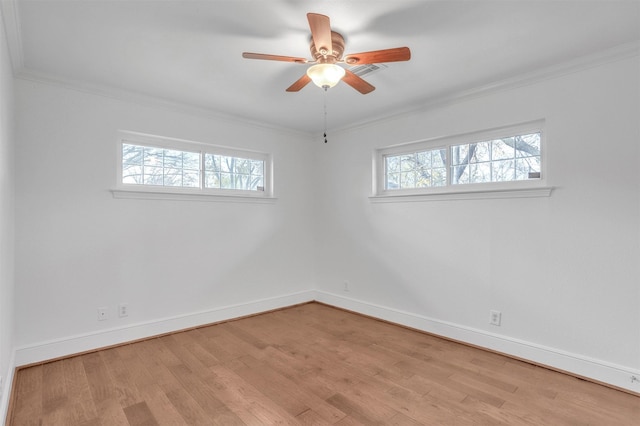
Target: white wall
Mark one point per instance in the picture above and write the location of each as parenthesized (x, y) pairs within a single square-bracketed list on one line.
[(6, 219), (78, 248), (563, 270)]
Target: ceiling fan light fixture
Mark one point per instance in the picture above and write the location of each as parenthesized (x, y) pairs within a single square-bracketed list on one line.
[(325, 75)]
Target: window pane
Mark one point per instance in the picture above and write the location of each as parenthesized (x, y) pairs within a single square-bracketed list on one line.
[(423, 160), (528, 145), (503, 149), (172, 158), (460, 174), (392, 164), (503, 170), (408, 180), (528, 168), (242, 166), (226, 181), (481, 152), (152, 156), (439, 157), (393, 181), (407, 162), (212, 162), (248, 182), (257, 168), (480, 172), (191, 179), (423, 178), (172, 177), (191, 160), (227, 164), (239, 181), (459, 154), (132, 174), (131, 154), (153, 175), (439, 177), (257, 183), (212, 180)]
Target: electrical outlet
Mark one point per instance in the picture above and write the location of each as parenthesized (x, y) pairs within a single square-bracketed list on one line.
[(495, 317), (123, 310), (346, 286), (103, 313)]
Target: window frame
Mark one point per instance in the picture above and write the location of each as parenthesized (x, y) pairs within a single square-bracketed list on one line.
[(130, 190), (504, 189)]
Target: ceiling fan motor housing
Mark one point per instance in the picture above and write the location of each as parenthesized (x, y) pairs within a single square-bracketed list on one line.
[(332, 56)]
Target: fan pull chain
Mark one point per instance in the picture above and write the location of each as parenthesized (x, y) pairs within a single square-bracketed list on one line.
[(325, 116)]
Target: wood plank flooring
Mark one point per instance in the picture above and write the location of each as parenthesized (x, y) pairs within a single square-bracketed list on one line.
[(311, 365)]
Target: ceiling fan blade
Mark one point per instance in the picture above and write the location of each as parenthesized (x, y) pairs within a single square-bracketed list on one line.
[(320, 32), (249, 55), (357, 83), (299, 84), (379, 56)]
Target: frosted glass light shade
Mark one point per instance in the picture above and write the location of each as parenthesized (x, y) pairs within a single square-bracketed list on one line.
[(325, 75)]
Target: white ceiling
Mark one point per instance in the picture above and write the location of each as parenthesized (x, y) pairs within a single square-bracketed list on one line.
[(189, 52)]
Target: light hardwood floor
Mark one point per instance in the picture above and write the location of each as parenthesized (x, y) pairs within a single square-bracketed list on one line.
[(309, 364)]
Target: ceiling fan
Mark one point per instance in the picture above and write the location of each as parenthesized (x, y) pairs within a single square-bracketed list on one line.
[(327, 48)]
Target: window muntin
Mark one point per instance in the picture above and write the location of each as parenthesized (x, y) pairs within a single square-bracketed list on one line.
[(501, 159), (151, 163)]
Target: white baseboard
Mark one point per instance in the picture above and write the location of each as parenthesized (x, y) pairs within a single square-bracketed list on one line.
[(576, 364), (66, 346), (580, 365)]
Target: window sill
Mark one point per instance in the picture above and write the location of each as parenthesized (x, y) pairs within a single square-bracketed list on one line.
[(464, 195), (151, 194)]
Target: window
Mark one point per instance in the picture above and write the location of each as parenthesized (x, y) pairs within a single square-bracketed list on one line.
[(420, 169), (507, 158), (147, 165), (225, 172), (500, 160), (154, 164)]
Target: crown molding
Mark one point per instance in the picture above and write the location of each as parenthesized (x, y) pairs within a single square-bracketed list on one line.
[(124, 95), (147, 100), (617, 53), (9, 15)]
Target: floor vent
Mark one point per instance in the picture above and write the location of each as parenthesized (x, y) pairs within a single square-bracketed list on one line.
[(367, 69)]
